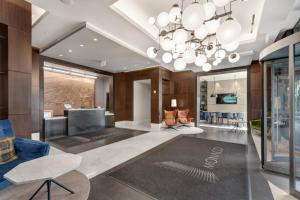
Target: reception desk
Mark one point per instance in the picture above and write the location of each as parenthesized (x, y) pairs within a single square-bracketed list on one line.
[(80, 121)]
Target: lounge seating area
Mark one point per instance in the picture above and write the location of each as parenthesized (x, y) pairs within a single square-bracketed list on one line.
[(25, 150), (177, 118), (221, 118)]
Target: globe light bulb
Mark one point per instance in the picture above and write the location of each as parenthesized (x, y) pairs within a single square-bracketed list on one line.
[(189, 56), (201, 32), (175, 14), (212, 26), (180, 36), (210, 49), (206, 67), (179, 64), (166, 44), (220, 54), (180, 48), (163, 19), (209, 10), (193, 16), (234, 57), (215, 63), (200, 60), (152, 52), (229, 31), (167, 57), (231, 46), (221, 3), (175, 55), (151, 20)]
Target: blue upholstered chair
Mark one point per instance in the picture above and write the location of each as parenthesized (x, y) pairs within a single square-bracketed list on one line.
[(207, 116), (219, 116), (25, 149), (229, 117), (240, 116)]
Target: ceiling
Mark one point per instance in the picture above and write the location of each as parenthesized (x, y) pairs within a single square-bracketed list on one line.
[(87, 47), (123, 28), (224, 77)]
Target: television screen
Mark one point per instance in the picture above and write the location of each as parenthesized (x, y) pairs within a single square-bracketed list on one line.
[(229, 98)]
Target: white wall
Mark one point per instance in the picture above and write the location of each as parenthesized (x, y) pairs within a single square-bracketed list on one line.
[(227, 86), (142, 101), (101, 88)]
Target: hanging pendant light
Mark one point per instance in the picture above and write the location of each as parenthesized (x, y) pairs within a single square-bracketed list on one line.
[(195, 33)]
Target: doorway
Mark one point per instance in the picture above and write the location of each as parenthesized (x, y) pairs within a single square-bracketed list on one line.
[(222, 99), (142, 102)]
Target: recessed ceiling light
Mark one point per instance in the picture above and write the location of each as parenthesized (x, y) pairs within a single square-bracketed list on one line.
[(125, 68), (70, 51), (82, 45), (60, 55), (95, 39), (68, 2)]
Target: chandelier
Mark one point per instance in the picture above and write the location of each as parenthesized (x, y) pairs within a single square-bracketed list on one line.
[(202, 33)]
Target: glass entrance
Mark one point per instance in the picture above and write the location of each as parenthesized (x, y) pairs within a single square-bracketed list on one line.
[(277, 116), (281, 133), (296, 118)]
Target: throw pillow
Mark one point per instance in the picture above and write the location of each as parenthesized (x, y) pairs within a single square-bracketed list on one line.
[(7, 150)]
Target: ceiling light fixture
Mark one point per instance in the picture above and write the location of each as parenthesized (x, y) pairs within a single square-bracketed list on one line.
[(82, 45), (70, 50), (195, 33), (68, 2), (234, 57), (95, 39), (60, 55)]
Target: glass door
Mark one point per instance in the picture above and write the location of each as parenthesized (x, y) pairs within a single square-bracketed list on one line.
[(277, 116), (296, 136)]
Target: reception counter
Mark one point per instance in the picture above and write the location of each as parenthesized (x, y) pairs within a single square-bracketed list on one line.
[(82, 121), (78, 121)]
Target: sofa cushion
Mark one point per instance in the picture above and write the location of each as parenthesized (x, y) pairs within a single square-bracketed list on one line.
[(30, 149), (7, 150)]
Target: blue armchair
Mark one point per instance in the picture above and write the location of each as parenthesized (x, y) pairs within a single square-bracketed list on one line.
[(25, 149)]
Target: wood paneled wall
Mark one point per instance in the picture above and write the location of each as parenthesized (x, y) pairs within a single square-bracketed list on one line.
[(16, 14), (184, 90), (166, 84), (255, 72), (123, 93)]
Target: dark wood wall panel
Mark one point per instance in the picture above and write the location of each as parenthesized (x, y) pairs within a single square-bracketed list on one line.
[(22, 124), (19, 15), (16, 15), (4, 11), (120, 96), (254, 91), (19, 51), (123, 93), (35, 95), (19, 93), (166, 84), (184, 90)]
